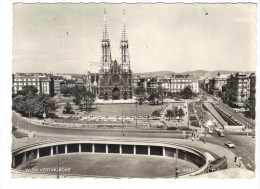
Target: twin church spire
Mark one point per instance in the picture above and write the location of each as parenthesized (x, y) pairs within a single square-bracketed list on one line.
[(106, 59)]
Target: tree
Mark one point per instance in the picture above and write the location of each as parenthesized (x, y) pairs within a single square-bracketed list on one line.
[(175, 112), (156, 113), (153, 98), (68, 108), (26, 89), (33, 104), (87, 100), (186, 93), (181, 113), (139, 91), (169, 114), (65, 90)]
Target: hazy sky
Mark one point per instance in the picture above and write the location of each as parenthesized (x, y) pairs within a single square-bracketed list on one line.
[(66, 37)]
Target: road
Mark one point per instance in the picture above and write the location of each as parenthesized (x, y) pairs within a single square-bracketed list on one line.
[(226, 109), (23, 124), (245, 145), (243, 150)]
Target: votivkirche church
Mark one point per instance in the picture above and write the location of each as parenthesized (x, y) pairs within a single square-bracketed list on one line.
[(115, 77)]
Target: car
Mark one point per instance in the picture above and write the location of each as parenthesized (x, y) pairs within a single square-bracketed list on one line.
[(210, 131), (221, 133), (216, 129), (230, 144)]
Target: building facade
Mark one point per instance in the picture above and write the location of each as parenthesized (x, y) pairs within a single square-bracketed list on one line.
[(115, 78), (252, 96), (238, 89), (43, 82), (216, 84)]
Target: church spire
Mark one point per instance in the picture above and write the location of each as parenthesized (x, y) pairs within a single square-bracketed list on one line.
[(124, 36), (105, 45), (105, 33), (125, 61)]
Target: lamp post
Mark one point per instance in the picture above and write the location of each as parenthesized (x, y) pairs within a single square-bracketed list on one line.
[(44, 115), (188, 115), (30, 121), (136, 114), (122, 124), (58, 166)]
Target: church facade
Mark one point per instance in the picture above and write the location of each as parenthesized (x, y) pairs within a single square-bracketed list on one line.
[(115, 78)]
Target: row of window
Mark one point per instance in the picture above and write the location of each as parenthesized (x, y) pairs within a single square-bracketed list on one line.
[(33, 83), (15, 79)]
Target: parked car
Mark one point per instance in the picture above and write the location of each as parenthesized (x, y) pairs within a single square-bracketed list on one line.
[(230, 144)]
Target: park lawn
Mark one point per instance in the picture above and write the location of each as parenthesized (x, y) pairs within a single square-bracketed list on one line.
[(112, 110)]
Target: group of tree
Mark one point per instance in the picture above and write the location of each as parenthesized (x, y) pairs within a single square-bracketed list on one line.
[(28, 103), (71, 91), (84, 100), (174, 113), (155, 97), (187, 93), (68, 109), (81, 97)]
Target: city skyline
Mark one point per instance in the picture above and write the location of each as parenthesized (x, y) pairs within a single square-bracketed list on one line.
[(60, 36)]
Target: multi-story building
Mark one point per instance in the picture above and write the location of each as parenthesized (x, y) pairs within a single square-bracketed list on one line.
[(238, 89), (195, 86), (57, 80), (72, 83), (206, 85), (179, 82), (217, 82), (252, 96), (166, 85), (176, 83), (152, 84), (43, 82), (140, 82), (115, 79)]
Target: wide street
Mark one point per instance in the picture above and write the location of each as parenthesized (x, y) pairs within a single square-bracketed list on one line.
[(245, 145), (226, 109)]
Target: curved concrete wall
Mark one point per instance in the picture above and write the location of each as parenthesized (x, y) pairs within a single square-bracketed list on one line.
[(150, 148)]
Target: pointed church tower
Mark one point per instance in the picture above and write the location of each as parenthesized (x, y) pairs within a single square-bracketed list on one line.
[(105, 45), (125, 61)]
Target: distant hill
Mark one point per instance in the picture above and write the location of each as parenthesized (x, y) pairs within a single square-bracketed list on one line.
[(153, 74), (197, 74)]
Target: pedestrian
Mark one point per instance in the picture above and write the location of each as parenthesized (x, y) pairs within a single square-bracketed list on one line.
[(239, 162), (177, 172), (198, 137), (235, 160)]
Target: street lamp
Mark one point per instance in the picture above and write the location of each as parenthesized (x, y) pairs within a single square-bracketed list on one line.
[(122, 124), (58, 166), (136, 114), (30, 121), (188, 115), (44, 115)]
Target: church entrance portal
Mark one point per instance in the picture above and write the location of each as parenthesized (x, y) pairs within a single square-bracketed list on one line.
[(106, 96), (125, 96), (115, 94)]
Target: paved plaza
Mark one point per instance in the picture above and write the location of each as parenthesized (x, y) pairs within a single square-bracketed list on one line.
[(113, 165)]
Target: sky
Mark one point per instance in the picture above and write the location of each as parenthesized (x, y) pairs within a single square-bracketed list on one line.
[(65, 38)]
